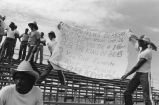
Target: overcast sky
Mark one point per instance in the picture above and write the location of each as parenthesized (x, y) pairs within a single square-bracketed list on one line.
[(141, 16)]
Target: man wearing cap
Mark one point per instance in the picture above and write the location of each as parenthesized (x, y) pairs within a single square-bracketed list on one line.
[(142, 69), (23, 92), (34, 40)]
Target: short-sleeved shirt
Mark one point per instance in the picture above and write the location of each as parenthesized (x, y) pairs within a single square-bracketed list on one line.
[(146, 54), (34, 36), (9, 96), (12, 34), (25, 37), (51, 45)]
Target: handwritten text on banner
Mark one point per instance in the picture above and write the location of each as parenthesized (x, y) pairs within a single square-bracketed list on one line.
[(92, 53)]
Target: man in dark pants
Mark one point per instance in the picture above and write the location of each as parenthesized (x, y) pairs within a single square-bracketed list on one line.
[(142, 69), (34, 40), (23, 45), (51, 46), (8, 44)]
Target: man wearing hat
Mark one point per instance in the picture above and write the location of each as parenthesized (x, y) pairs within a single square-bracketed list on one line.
[(23, 92), (34, 39), (142, 69)]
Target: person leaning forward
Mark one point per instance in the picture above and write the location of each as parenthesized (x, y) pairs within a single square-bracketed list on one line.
[(44, 74)]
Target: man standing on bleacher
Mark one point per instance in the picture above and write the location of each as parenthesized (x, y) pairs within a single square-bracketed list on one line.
[(143, 71)]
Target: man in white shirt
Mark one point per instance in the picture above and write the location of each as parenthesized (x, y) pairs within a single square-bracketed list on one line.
[(9, 43), (142, 69), (52, 43), (23, 92)]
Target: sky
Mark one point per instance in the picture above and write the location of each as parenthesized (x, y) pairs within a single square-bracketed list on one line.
[(141, 16)]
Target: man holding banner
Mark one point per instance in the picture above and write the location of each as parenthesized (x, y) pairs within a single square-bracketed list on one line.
[(51, 47), (142, 69)]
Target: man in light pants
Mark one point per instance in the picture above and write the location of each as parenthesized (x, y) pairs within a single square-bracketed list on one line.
[(142, 69)]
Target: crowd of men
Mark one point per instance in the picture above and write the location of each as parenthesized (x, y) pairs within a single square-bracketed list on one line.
[(34, 41)]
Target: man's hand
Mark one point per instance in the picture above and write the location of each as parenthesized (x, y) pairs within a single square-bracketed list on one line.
[(123, 77)]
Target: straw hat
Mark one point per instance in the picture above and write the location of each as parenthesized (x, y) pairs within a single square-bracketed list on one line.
[(34, 24), (147, 40), (26, 67)]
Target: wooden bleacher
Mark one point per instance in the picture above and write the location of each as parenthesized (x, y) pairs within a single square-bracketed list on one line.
[(80, 90)]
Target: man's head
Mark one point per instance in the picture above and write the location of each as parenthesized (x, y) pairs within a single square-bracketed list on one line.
[(51, 35), (26, 30), (145, 42), (142, 43), (24, 77), (33, 26), (12, 26)]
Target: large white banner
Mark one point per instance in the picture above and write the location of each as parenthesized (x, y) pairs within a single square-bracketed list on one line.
[(92, 53)]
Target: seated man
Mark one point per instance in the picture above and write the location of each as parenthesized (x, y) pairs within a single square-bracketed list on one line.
[(23, 92)]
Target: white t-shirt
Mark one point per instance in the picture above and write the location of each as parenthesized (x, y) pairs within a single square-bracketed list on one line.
[(146, 54), (51, 45), (9, 96), (11, 34)]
